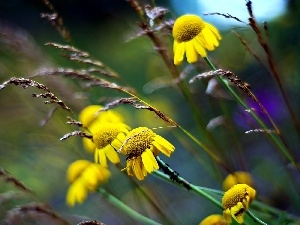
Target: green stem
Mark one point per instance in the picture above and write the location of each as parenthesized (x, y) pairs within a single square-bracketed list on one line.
[(273, 137), (180, 181), (209, 152), (127, 210), (255, 218), (195, 188), (264, 208)]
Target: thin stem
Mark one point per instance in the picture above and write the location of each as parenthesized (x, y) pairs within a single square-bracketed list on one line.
[(210, 153), (195, 188), (273, 137), (255, 218), (126, 209), (264, 208)]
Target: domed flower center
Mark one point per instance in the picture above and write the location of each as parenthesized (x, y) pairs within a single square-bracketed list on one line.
[(238, 193), (137, 142), (105, 135), (187, 27)]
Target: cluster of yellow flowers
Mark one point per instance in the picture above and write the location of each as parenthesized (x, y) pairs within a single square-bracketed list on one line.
[(236, 199), (112, 136)]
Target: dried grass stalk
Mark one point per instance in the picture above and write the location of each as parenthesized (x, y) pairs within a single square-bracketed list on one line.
[(56, 20), (10, 179), (35, 209), (227, 15), (76, 133), (90, 222), (25, 83), (260, 131), (80, 56)]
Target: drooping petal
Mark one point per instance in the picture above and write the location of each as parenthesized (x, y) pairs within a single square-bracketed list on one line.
[(191, 54), (111, 154), (149, 161), (179, 49), (237, 212), (76, 193), (227, 216), (137, 168), (199, 46), (214, 30), (100, 157), (163, 145)]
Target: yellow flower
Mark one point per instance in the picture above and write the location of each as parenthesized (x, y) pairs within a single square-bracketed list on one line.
[(91, 119), (90, 115), (239, 177), (140, 147), (214, 219), (107, 139), (236, 202), (192, 35), (84, 176)]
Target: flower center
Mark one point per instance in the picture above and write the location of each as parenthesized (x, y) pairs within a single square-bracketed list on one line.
[(138, 141), (238, 193), (105, 135), (187, 27)]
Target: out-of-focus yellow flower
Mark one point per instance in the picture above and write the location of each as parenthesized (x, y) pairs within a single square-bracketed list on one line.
[(90, 115), (141, 146), (236, 202), (108, 139), (214, 219), (91, 119), (84, 176), (239, 177), (193, 36)]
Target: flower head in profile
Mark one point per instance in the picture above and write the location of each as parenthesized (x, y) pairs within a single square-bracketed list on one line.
[(236, 202), (91, 119), (141, 146), (239, 177), (193, 36), (108, 139), (84, 176), (214, 219)]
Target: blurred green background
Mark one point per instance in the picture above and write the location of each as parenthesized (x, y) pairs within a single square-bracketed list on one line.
[(33, 153)]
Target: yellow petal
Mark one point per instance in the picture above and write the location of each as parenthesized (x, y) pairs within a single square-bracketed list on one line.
[(191, 54), (199, 46), (214, 30), (179, 49), (137, 168), (214, 219), (111, 154), (163, 145), (76, 193), (149, 161), (89, 178), (227, 215), (237, 212), (88, 145), (129, 165), (100, 157), (76, 168)]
